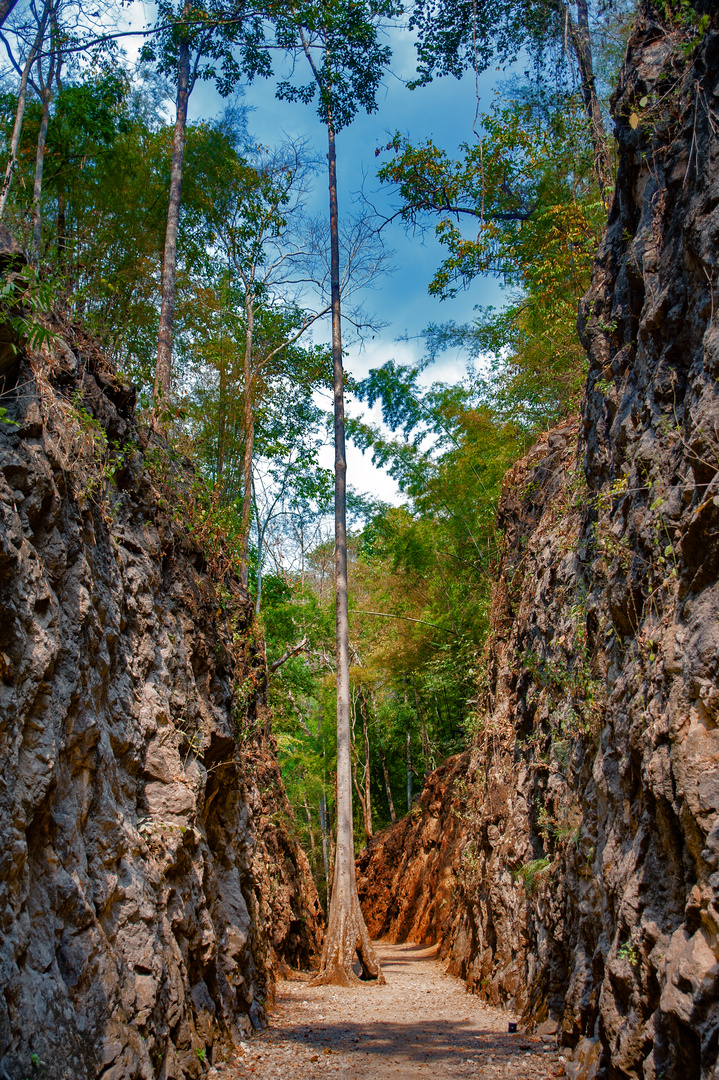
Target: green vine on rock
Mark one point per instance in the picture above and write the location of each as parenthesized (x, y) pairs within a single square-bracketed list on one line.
[(24, 298)]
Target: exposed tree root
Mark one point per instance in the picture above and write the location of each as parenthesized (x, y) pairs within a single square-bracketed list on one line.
[(346, 939)]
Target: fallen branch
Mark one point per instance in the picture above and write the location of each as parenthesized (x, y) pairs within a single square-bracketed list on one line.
[(407, 618), (287, 655)]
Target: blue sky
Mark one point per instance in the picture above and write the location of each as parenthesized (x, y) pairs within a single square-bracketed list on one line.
[(445, 110)]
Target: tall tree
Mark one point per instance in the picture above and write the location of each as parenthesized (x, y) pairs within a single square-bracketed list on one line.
[(455, 34), (43, 85), (340, 43), (528, 189), (191, 44), (22, 95), (578, 29), (52, 35), (257, 223)]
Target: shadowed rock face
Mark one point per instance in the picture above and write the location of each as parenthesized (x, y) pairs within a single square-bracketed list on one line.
[(12, 260), (147, 883), (584, 834)]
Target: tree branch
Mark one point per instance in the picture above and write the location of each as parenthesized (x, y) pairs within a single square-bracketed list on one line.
[(287, 655), (406, 618)]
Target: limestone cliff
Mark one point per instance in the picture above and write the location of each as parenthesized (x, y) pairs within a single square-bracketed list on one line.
[(569, 863), (148, 877)]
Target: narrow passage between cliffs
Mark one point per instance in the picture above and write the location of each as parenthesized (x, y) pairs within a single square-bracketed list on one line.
[(422, 1023)]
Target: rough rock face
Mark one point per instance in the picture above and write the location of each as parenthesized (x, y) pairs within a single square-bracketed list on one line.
[(147, 882), (586, 868)]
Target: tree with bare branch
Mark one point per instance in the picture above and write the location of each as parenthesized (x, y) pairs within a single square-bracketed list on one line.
[(340, 43)]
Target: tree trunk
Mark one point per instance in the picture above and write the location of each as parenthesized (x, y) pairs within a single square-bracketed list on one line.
[(163, 369), (441, 726), (393, 816), (387, 788), (248, 428), (363, 793), (332, 819), (325, 830), (260, 539), (367, 802), (6, 7), (358, 789), (45, 91), (221, 423), (409, 770), (222, 419), (423, 726), (346, 935), (258, 598), (37, 186), (61, 230), (581, 43), (20, 110), (311, 832), (367, 783)]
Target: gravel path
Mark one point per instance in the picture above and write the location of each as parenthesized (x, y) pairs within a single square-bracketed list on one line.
[(421, 1024)]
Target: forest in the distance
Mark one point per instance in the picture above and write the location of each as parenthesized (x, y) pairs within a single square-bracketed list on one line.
[(88, 166)]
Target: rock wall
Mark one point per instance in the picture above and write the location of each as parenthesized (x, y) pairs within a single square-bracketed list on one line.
[(579, 845), (406, 877), (148, 875)]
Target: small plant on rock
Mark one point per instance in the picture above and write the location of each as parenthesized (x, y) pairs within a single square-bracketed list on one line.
[(629, 952), (531, 872)]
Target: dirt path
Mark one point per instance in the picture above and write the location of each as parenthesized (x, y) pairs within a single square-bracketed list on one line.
[(421, 1024)]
